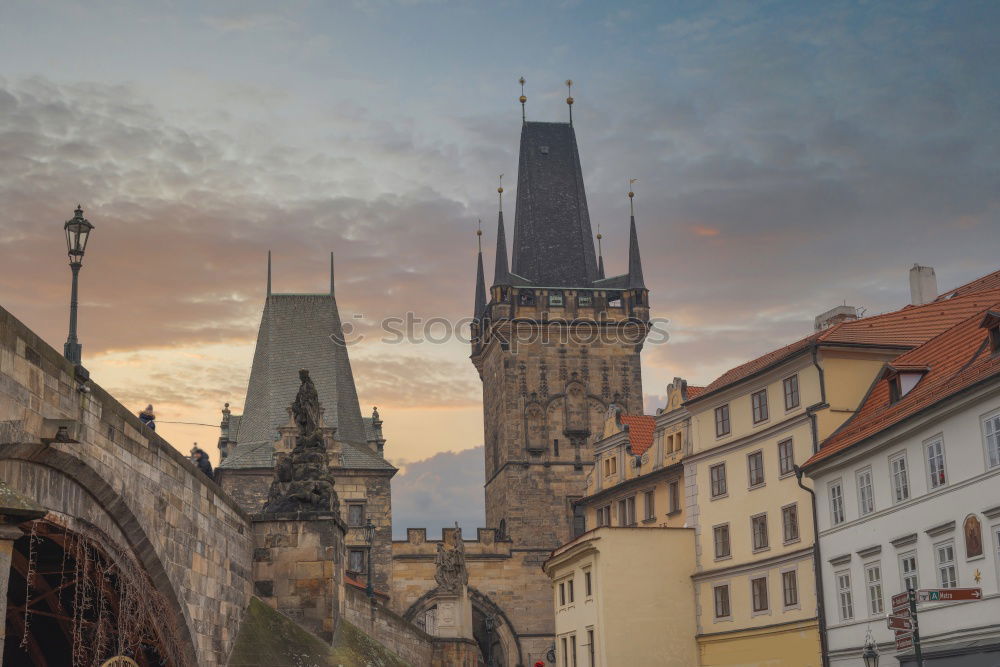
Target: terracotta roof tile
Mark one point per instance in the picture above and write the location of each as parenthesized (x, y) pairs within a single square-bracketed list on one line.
[(989, 281), (640, 431), (957, 359), (904, 328), (694, 392)]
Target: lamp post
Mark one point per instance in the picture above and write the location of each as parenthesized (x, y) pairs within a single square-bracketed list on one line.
[(77, 232), (870, 653), (490, 623), (369, 539)]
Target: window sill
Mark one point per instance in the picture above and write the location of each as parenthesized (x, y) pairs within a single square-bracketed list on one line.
[(761, 550), (719, 559), (762, 422), (795, 541), (794, 607), (649, 519), (763, 612), (760, 485), (975, 558), (784, 475), (673, 513), (724, 495), (722, 619)]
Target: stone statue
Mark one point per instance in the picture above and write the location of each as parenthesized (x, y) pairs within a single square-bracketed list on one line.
[(302, 479), (451, 574)]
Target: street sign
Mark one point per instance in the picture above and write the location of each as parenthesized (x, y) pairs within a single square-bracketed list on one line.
[(899, 623), (948, 594), (900, 601), (904, 642)]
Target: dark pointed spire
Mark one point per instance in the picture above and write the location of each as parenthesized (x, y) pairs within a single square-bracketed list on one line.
[(480, 306), (600, 254), (635, 279), (501, 270)]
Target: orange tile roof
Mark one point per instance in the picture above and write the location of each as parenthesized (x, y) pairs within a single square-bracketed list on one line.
[(957, 359), (640, 431), (989, 281), (904, 328), (348, 579), (693, 391)]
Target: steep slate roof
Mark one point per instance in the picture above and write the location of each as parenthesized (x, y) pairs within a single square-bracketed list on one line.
[(553, 242), (905, 328), (956, 360), (295, 332), (640, 431)]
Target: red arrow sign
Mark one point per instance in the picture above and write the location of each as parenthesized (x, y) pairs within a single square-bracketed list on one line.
[(948, 594), (904, 642), (899, 623), (900, 600)]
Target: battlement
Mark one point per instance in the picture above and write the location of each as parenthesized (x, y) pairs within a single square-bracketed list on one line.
[(417, 546)]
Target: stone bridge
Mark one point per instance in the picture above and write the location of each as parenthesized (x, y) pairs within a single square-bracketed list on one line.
[(103, 477)]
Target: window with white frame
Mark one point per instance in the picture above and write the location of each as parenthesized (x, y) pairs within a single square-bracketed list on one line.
[(786, 457), (873, 582), (845, 599), (837, 514), (758, 593), (758, 401), (900, 477), (908, 571), (717, 473), (626, 511), (991, 434), (721, 595), (720, 538), (604, 516), (722, 426), (866, 492), (674, 495), (791, 386), (934, 451), (650, 510), (945, 554)]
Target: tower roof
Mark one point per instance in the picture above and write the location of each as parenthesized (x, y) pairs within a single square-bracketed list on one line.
[(501, 271), (298, 331), (553, 243), (480, 306), (635, 279)]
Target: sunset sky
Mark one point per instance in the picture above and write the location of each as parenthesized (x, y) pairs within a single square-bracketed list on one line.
[(791, 157)]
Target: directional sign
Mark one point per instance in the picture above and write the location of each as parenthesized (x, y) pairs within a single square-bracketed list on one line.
[(899, 623), (948, 594), (900, 600), (904, 642)]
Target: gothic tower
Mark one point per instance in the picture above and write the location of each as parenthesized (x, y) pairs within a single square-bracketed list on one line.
[(555, 344)]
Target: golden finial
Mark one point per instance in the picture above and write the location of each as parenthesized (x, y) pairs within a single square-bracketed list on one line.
[(522, 99), (500, 192), (479, 233), (569, 98), (631, 196), (599, 237)]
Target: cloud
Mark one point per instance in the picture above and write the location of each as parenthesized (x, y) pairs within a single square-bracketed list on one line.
[(435, 493)]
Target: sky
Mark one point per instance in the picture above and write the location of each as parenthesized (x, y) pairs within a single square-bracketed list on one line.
[(790, 157)]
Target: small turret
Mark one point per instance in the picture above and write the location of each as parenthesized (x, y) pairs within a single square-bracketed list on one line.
[(635, 279), (501, 269), (480, 305)]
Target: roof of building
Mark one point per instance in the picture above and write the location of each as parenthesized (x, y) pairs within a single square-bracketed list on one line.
[(261, 455), (694, 391), (553, 242), (640, 431), (989, 281), (300, 331), (904, 328), (956, 359)]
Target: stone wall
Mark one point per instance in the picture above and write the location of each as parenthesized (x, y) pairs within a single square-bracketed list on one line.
[(192, 539), (389, 629), (248, 487), (372, 487), (298, 567)]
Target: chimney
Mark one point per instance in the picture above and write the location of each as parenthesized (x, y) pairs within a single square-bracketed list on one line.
[(923, 285), (836, 316)]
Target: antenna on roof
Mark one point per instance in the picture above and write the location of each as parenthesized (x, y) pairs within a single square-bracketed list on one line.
[(523, 99), (269, 273), (569, 99)]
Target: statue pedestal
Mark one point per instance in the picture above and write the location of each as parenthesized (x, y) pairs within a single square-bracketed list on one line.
[(454, 615)]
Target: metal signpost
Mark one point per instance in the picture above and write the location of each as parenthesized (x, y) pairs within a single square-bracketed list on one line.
[(903, 618)]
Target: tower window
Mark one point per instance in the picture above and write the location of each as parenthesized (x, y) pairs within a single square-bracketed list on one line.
[(614, 300), (555, 298), (584, 300), (526, 299)]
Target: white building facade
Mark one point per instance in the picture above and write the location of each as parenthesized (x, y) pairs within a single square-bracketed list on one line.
[(915, 504)]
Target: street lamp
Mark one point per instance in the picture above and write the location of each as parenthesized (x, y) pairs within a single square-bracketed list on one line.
[(77, 232), (870, 654), (369, 539)]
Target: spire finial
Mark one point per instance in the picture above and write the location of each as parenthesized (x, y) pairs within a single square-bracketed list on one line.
[(331, 273), (500, 192), (479, 234), (569, 98), (523, 99), (631, 196), (600, 253), (269, 273)]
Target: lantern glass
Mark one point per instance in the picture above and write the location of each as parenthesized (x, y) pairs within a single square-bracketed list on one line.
[(77, 233), (369, 532), (870, 655)]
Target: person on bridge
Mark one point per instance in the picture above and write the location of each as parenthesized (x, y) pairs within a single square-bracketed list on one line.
[(148, 418), (200, 459)]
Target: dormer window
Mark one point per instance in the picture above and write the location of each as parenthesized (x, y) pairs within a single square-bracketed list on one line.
[(555, 298), (992, 324), (902, 382), (584, 300)]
